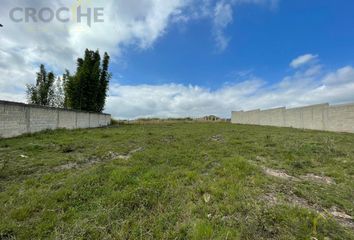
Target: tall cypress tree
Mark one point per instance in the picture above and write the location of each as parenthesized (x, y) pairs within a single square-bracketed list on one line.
[(67, 89), (87, 89), (103, 84)]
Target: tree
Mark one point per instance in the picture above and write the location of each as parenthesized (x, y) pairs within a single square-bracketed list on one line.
[(66, 89), (103, 84), (58, 99), (42, 93), (87, 89), (47, 91)]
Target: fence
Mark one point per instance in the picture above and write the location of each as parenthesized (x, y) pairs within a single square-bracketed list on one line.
[(19, 118), (336, 118)]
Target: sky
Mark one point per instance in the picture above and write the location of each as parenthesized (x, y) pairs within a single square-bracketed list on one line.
[(190, 58)]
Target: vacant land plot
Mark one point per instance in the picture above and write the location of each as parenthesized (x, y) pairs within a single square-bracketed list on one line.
[(178, 181)]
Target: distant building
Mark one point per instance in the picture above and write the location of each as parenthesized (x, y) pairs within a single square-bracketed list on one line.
[(212, 118)]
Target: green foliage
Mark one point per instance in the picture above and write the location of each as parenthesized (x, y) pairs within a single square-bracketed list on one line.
[(67, 188), (103, 84), (69, 89), (47, 91), (87, 88), (42, 93)]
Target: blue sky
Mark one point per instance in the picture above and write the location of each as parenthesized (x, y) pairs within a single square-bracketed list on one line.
[(263, 41), (181, 58)]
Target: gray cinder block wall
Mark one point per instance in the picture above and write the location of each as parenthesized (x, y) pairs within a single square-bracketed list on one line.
[(336, 118), (19, 118)]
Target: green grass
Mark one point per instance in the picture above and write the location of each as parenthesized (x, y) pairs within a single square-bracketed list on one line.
[(185, 181)]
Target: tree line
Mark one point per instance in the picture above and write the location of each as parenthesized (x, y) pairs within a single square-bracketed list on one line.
[(85, 90)]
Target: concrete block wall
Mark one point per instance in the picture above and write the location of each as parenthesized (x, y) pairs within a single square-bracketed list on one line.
[(94, 120), (272, 117), (18, 118), (253, 116), (237, 117), (103, 120), (341, 118), (67, 119), (337, 118), (42, 119), (315, 117), (14, 119), (293, 118), (82, 120)]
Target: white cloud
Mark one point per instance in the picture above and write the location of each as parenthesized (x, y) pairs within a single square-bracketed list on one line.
[(175, 100), (222, 18), (126, 23), (341, 76), (303, 60)]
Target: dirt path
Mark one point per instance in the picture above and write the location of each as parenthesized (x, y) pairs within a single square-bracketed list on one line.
[(94, 160), (292, 199)]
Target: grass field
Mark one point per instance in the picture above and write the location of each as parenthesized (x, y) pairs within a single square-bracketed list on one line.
[(178, 181)]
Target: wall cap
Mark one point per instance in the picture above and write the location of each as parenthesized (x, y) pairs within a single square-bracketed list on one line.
[(310, 106)]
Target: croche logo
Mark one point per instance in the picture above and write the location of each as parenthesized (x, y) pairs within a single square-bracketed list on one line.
[(80, 11)]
